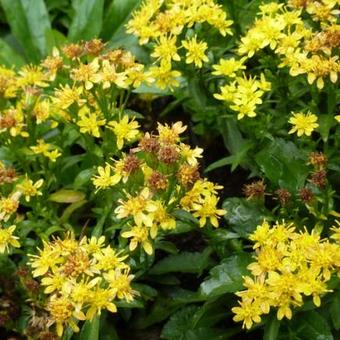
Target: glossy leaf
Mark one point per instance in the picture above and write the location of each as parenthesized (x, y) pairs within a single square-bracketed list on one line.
[(87, 21), (8, 56), (227, 276), (184, 262), (29, 22), (283, 164), (117, 16), (90, 329), (243, 215)]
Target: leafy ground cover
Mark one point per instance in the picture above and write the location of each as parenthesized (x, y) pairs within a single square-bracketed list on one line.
[(169, 169)]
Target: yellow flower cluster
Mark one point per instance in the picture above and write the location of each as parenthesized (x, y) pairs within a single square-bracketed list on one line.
[(300, 48), (98, 81), (81, 278), (164, 23), (244, 94), (7, 239), (23, 187), (159, 177), (289, 265)]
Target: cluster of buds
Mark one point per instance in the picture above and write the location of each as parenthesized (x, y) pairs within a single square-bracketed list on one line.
[(156, 178), (81, 278)]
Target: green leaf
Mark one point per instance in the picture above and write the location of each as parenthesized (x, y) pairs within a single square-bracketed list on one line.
[(9, 57), (87, 21), (231, 134), (227, 276), (54, 38), (326, 122), (118, 14), (271, 330), (312, 325), (179, 323), (243, 215), (67, 196), (283, 164), (29, 22), (184, 262), (220, 163), (90, 329), (335, 310), (70, 209), (83, 178)]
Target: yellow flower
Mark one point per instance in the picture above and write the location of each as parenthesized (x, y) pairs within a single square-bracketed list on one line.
[(8, 206), (190, 155), (120, 282), (170, 134), (109, 258), (164, 76), (166, 49), (207, 209), (90, 122), (124, 130), (139, 207), (32, 75), (30, 189), (105, 179), (87, 73), (303, 123), (109, 76), (54, 282), (48, 258), (66, 96), (337, 118), (61, 311), (248, 312), (229, 67), (195, 51), (99, 299), (7, 239), (139, 234), (44, 148)]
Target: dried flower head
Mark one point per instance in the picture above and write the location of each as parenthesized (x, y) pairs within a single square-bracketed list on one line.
[(255, 190)]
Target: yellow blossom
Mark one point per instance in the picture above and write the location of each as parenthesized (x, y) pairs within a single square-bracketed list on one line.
[(303, 123), (7, 239), (195, 51), (30, 189), (90, 122), (124, 130)]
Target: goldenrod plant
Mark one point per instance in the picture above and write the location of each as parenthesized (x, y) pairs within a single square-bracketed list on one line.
[(169, 169)]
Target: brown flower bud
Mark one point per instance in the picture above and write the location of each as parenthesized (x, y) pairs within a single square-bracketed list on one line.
[(168, 154), (7, 175), (149, 144), (131, 164), (283, 195), (73, 51), (306, 195), (157, 181), (94, 47), (318, 178), (254, 190), (187, 175), (318, 160)]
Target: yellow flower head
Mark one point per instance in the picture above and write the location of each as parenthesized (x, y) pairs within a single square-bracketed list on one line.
[(90, 122), (7, 239), (30, 189), (303, 124), (124, 130), (195, 51)]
